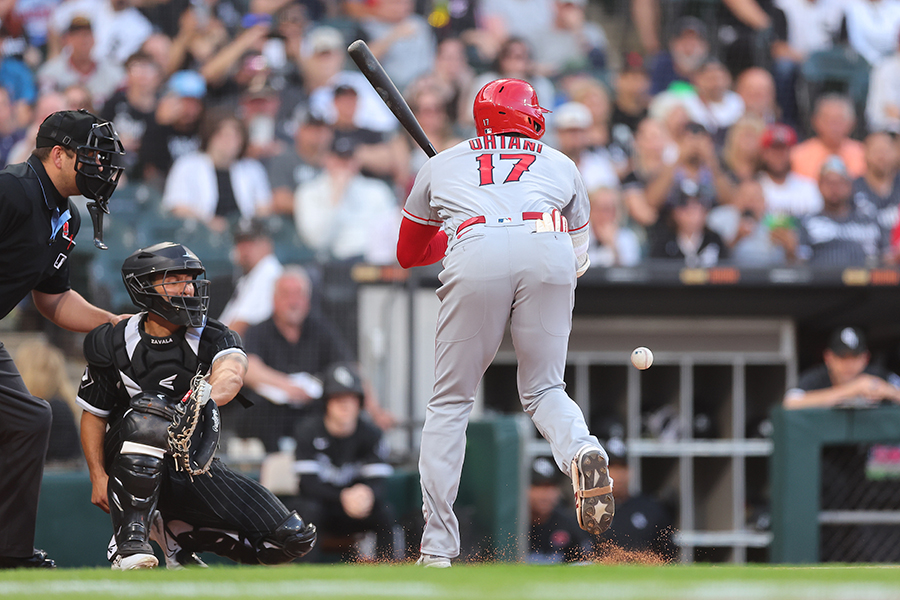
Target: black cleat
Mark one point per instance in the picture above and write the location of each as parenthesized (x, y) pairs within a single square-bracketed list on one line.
[(38, 560)]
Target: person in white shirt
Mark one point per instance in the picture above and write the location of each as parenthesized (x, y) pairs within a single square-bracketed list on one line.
[(120, 28), (218, 182), (883, 98), (872, 27), (812, 24), (714, 105), (786, 192), (251, 302), (338, 214)]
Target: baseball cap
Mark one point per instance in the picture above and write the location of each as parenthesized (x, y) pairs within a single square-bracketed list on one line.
[(345, 88), (834, 164), (848, 341), (323, 39), (79, 23), (187, 84), (633, 62), (778, 134), (544, 472), (572, 115), (68, 128), (689, 23), (341, 378), (688, 191), (343, 146), (251, 229)]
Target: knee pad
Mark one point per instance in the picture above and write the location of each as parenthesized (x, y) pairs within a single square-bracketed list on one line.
[(292, 539), (147, 422), (134, 483)]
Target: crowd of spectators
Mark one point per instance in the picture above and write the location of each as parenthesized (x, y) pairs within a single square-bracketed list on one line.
[(687, 127)]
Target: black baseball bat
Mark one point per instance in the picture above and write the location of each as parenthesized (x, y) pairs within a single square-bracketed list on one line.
[(374, 72)]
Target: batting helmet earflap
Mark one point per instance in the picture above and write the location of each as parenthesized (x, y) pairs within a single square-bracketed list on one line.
[(145, 269), (509, 106)]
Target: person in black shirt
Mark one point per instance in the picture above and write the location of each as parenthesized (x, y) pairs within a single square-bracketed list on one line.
[(74, 155), (133, 108), (283, 351), (846, 377), (877, 192), (643, 524), (840, 235), (554, 536), (631, 101), (138, 370), (342, 463)]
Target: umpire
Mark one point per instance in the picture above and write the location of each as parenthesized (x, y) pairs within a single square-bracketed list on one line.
[(76, 153)]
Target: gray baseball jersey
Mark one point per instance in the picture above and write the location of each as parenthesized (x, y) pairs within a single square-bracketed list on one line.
[(497, 270)]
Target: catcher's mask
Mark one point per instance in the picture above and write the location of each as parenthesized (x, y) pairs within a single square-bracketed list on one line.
[(98, 157), (508, 106), (146, 269)]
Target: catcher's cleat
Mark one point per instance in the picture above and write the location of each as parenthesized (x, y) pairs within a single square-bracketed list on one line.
[(435, 562), (177, 558), (134, 561), (594, 504), (38, 560)]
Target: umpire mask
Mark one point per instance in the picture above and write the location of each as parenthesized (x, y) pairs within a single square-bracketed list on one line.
[(98, 157), (98, 151), (144, 271)]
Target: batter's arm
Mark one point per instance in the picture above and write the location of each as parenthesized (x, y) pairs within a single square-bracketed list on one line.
[(420, 244)]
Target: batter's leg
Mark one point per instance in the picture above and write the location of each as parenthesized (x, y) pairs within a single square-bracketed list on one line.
[(540, 327), (475, 303)]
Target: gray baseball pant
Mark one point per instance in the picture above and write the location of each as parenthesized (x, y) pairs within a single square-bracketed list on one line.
[(497, 273)]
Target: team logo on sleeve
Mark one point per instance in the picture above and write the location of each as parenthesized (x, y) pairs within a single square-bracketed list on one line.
[(86, 378)]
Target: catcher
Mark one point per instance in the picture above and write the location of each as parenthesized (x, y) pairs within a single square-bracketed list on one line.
[(156, 380)]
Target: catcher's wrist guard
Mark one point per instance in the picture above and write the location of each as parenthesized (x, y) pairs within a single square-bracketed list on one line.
[(194, 432)]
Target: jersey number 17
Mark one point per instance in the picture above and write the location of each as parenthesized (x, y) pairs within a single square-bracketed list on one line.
[(486, 167)]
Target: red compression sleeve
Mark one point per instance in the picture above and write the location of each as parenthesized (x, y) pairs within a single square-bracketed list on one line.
[(420, 244)]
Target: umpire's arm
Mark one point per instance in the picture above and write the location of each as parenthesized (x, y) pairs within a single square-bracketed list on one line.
[(71, 311), (227, 375)]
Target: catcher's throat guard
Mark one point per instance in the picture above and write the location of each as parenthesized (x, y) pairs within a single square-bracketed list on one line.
[(195, 429)]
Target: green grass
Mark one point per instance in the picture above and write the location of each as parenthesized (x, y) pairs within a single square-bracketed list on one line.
[(494, 581)]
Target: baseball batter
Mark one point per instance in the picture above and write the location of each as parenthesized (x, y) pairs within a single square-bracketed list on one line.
[(496, 208)]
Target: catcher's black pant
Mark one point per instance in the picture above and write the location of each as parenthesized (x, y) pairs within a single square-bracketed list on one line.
[(227, 500), (24, 435)]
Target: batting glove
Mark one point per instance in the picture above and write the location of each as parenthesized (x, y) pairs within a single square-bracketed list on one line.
[(552, 221)]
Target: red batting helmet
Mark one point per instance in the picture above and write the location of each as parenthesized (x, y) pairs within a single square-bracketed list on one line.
[(509, 105)]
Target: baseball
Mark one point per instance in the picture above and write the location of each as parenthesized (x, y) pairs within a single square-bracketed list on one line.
[(642, 358)]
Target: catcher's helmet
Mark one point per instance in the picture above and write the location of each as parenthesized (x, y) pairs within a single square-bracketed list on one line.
[(144, 271), (98, 150), (509, 106)]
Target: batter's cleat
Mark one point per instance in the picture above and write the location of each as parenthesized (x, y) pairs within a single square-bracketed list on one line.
[(37, 560), (594, 504), (435, 562), (134, 561), (177, 558)]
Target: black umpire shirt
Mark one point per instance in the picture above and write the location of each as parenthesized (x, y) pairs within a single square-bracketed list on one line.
[(37, 233)]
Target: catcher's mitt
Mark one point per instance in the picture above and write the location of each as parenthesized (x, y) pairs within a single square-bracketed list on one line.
[(194, 432)]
